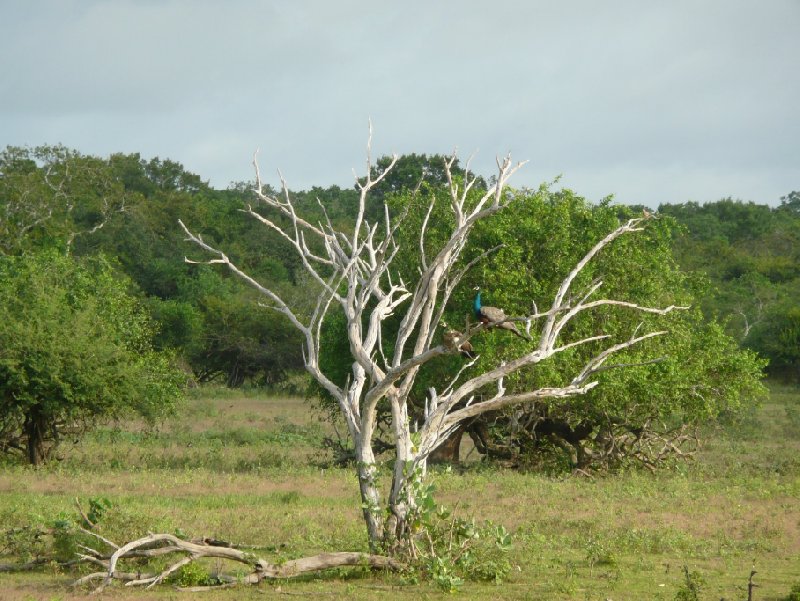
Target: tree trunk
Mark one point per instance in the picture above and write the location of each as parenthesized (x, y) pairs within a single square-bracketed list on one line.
[(400, 500), (35, 427), (370, 496)]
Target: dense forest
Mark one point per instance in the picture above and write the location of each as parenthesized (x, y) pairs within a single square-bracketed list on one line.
[(740, 259)]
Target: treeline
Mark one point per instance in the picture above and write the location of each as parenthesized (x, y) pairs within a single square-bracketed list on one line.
[(751, 255), (126, 208)]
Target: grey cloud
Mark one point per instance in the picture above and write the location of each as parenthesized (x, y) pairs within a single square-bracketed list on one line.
[(653, 101)]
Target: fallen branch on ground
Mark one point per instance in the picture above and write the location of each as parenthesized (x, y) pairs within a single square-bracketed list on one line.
[(164, 544)]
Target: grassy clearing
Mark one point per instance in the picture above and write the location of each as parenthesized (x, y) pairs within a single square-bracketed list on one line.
[(249, 469)]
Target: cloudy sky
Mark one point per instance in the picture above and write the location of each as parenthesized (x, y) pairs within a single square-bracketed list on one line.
[(650, 101)]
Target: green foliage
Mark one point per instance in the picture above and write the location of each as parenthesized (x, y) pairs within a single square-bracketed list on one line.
[(192, 574), (210, 320), (777, 335), (692, 586), (98, 506), (75, 348), (544, 237), (64, 540), (599, 552), (449, 549), (694, 373), (699, 372), (411, 172), (52, 539), (26, 543), (51, 196), (128, 207), (751, 254)]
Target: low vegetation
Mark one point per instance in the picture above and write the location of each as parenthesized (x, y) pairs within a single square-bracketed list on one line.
[(252, 470)]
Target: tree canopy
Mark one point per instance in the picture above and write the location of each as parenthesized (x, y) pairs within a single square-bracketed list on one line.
[(751, 255), (75, 348), (126, 206), (699, 371)]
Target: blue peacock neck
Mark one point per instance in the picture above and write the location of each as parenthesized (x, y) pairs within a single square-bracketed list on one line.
[(477, 304)]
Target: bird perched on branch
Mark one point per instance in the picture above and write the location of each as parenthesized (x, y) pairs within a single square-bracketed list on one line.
[(493, 316), (455, 340)]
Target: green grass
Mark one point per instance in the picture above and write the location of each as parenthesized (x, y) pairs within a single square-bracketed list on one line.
[(249, 469)]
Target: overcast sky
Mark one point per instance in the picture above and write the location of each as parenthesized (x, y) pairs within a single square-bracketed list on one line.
[(651, 101)]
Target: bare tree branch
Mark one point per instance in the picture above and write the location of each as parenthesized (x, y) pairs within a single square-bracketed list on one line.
[(260, 568), (355, 276)]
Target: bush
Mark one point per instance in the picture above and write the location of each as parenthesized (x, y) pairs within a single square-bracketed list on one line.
[(75, 348)]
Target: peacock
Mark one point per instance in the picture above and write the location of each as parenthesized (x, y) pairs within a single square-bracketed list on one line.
[(493, 315)]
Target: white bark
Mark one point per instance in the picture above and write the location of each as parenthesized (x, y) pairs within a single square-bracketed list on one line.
[(354, 276), (167, 544)]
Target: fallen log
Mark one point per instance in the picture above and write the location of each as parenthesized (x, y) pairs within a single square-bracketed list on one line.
[(165, 544)]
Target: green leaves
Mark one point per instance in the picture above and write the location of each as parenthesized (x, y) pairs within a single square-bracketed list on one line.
[(50, 196), (447, 548), (751, 255), (694, 373), (74, 348)]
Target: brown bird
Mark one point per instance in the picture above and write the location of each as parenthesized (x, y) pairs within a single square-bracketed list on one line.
[(454, 340), (492, 315)]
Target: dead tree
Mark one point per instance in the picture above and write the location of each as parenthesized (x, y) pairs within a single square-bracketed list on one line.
[(353, 273)]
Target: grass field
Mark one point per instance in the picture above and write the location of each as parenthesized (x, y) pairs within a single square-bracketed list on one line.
[(251, 470)]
